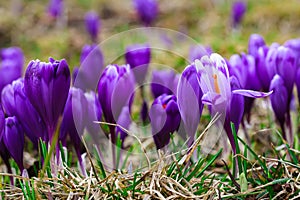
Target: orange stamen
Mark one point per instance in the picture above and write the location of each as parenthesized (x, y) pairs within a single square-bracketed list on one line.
[(164, 106), (216, 84)]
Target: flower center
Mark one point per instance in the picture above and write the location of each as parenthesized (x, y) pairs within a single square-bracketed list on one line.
[(164, 106), (216, 84)]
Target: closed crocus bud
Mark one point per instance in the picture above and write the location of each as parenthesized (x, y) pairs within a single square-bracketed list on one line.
[(14, 54), (237, 68), (147, 10), (189, 96), (11, 66), (294, 44), (30, 120), (13, 138), (16, 103), (55, 8), (165, 119), (266, 65), (115, 90), (286, 67), (73, 120), (236, 104), (138, 57), (163, 82), (92, 65), (47, 86), (237, 12), (92, 24), (255, 42), (279, 100)]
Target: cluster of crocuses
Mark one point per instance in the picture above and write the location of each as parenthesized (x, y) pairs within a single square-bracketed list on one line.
[(34, 105)]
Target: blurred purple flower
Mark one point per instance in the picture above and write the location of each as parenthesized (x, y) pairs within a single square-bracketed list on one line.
[(13, 138), (115, 90), (138, 57), (285, 65), (164, 82), (92, 24), (279, 100), (92, 65), (11, 66), (73, 121), (189, 96), (165, 119), (94, 114), (217, 92), (255, 42), (237, 12), (197, 51), (47, 86), (294, 44), (55, 8), (147, 10)]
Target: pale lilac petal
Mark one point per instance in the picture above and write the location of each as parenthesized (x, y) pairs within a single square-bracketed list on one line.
[(251, 93)]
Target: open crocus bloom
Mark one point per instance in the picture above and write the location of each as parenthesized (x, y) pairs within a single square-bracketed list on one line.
[(215, 85)]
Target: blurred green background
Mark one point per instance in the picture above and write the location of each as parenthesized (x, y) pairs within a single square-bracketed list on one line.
[(25, 23)]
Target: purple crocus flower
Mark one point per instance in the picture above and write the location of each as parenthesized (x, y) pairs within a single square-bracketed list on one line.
[(92, 65), (16, 103), (138, 57), (92, 24), (215, 84), (237, 12), (279, 100), (13, 138), (94, 114), (286, 66), (164, 82), (11, 65), (189, 96), (294, 44), (165, 119), (55, 8), (73, 121), (47, 86), (255, 42), (147, 10), (15, 54), (115, 90)]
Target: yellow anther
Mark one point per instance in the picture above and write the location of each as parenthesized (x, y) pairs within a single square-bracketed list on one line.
[(216, 84)]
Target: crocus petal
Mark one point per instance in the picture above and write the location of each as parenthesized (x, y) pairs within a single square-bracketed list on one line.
[(251, 93), (189, 96), (279, 99), (14, 140)]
